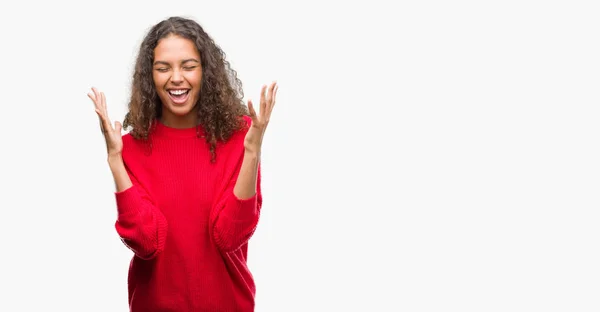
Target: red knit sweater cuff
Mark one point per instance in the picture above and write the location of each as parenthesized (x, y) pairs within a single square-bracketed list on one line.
[(127, 200), (241, 209)]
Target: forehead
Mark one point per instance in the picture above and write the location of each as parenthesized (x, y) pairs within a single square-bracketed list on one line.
[(175, 48)]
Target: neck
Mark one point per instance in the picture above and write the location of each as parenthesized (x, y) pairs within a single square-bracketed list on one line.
[(180, 122)]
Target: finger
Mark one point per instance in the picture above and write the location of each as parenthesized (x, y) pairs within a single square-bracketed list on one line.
[(273, 97), (270, 103), (268, 99), (94, 99), (107, 124), (251, 111), (270, 93), (101, 121), (103, 102), (272, 88), (263, 100), (100, 113), (96, 93), (97, 98)]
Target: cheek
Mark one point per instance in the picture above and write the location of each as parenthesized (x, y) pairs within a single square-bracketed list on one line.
[(155, 80), (159, 81), (194, 79)]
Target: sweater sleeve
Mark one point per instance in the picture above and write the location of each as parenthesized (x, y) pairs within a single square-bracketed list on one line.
[(140, 224), (236, 219)]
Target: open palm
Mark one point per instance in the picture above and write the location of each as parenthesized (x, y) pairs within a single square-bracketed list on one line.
[(254, 137), (112, 135)]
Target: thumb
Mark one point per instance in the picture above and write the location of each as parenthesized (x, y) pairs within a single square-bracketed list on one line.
[(118, 126)]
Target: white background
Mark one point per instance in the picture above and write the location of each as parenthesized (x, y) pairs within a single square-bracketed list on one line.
[(422, 156)]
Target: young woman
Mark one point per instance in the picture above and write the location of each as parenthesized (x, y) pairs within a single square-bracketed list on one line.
[(187, 175)]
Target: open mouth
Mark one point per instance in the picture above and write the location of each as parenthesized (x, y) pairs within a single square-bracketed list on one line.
[(179, 96)]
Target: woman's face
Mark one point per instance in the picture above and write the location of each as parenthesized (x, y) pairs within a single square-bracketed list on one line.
[(177, 76)]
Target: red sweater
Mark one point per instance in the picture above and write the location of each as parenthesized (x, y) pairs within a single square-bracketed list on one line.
[(187, 229)]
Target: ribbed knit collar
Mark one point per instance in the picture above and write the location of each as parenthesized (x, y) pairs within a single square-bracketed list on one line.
[(161, 130)]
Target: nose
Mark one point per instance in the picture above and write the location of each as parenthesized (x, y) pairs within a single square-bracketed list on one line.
[(177, 77)]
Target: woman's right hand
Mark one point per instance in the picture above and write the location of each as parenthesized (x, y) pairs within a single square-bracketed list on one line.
[(112, 135)]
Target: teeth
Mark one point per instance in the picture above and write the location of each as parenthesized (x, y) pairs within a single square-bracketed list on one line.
[(177, 92)]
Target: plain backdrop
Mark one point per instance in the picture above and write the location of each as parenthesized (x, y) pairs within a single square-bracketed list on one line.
[(422, 156)]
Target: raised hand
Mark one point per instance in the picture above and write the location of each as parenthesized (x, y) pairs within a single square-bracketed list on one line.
[(112, 135), (254, 137)]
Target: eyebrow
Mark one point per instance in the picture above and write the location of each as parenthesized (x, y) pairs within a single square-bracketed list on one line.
[(182, 62)]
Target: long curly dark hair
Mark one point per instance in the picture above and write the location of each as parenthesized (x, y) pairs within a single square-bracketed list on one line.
[(221, 95)]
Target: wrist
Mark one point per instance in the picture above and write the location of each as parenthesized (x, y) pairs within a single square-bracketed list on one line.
[(114, 159), (252, 153)]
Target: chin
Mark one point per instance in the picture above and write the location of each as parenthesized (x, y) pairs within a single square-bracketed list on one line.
[(183, 112), (180, 110)]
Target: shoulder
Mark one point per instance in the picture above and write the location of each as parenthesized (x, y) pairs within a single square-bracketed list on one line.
[(236, 140), (128, 140), (132, 148), (246, 122)]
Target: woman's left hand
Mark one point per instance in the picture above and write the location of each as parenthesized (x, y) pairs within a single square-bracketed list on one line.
[(254, 137)]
